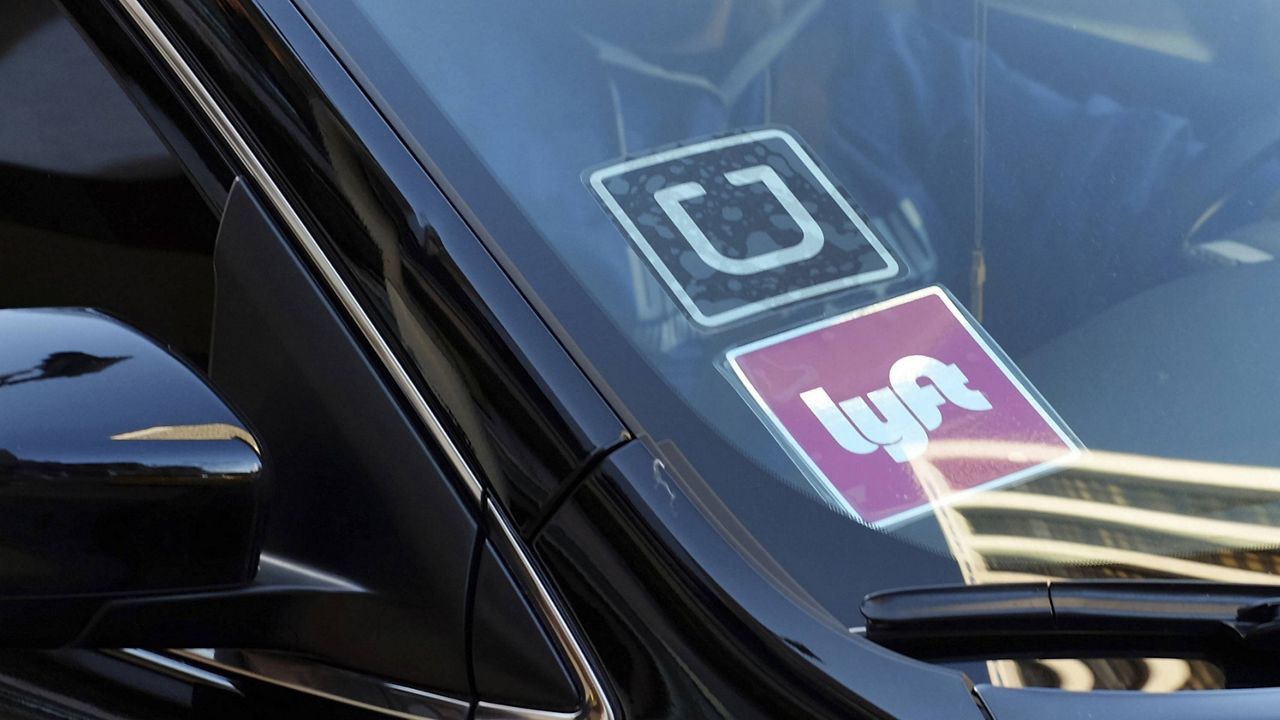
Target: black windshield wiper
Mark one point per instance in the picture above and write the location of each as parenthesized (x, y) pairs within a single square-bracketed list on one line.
[(955, 620)]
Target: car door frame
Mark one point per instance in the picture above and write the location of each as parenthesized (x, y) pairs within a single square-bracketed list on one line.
[(217, 147)]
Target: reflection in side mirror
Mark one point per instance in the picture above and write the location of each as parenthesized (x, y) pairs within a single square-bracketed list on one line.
[(121, 470)]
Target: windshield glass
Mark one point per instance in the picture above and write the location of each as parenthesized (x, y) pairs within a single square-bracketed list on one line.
[(922, 290)]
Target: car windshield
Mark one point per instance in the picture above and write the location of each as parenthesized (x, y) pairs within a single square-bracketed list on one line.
[(922, 290)]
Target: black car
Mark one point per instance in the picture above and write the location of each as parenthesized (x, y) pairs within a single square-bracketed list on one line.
[(571, 359)]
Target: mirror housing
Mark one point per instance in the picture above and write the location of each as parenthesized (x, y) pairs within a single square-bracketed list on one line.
[(121, 471), (132, 506)]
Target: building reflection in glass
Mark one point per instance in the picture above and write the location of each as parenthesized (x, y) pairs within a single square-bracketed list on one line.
[(1111, 515)]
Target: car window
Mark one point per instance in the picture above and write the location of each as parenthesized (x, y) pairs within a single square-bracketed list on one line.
[(95, 210), (992, 279)]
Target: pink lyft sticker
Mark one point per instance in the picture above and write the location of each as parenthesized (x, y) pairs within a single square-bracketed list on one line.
[(899, 406)]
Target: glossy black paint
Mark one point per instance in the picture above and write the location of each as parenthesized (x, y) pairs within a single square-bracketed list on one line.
[(77, 683), (118, 464), (487, 362), (88, 677), (627, 550), (358, 493), (1041, 704)]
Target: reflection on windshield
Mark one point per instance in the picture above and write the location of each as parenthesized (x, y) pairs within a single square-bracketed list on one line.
[(1085, 674), (1115, 515), (1094, 183)]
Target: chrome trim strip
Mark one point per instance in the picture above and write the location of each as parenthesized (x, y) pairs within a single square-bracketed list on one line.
[(494, 711), (320, 261), (330, 683), (171, 666), (596, 704)]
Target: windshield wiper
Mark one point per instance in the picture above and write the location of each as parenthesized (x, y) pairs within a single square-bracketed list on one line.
[(1079, 617)]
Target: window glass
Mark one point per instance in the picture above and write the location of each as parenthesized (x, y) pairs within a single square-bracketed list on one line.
[(94, 210), (924, 291)]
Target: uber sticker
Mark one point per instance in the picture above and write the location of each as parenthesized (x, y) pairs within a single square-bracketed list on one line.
[(740, 224), (900, 406)]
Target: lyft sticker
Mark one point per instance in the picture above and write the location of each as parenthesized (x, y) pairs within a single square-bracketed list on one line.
[(740, 224), (900, 406)]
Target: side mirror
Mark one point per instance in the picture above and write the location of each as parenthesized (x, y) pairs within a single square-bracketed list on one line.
[(132, 510), (121, 471)]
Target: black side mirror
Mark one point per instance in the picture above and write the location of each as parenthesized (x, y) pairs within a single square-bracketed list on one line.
[(121, 471), (131, 508)]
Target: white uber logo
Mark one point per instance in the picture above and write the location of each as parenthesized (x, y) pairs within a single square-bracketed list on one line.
[(810, 244), (736, 225), (907, 409)]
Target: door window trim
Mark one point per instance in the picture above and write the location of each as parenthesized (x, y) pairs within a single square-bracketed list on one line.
[(595, 704)]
